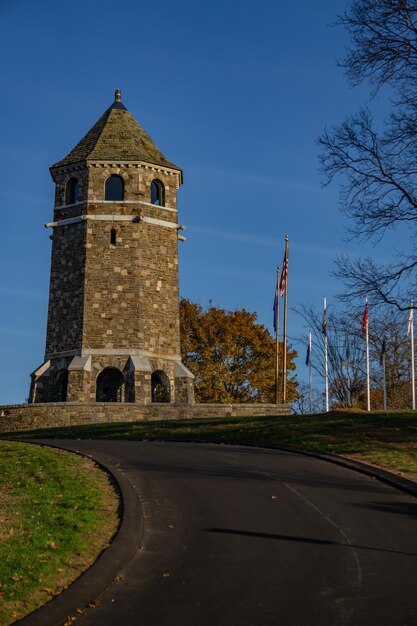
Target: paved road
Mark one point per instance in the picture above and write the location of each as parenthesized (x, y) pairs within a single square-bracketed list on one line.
[(248, 536)]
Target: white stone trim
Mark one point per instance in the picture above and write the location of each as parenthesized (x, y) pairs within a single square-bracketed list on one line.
[(70, 206), (180, 371), (69, 220), (80, 363), (139, 364), (114, 352), (110, 218), (42, 369), (90, 201), (113, 218), (156, 222), (145, 164), (68, 167), (157, 206)]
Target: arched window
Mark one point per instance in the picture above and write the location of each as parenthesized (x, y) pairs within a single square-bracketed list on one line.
[(157, 193), (114, 189), (109, 385), (71, 196), (160, 387)]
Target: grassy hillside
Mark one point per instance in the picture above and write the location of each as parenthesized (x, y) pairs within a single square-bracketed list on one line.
[(57, 513), (387, 439)]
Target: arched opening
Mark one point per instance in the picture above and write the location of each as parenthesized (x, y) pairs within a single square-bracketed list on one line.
[(61, 386), (114, 188), (160, 387), (71, 196), (109, 385), (157, 193)]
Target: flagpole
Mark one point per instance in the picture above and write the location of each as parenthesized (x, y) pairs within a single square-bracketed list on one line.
[(284, 356), (277, 336), (348, 373), (368, 384), (326, 365), (310, 375), (413, 382), (385, 381)]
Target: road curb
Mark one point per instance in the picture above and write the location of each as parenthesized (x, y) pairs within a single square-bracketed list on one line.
[(389, 478), (97, 578), (403, 484)]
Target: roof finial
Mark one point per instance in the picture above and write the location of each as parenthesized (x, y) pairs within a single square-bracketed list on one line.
[(117, 95)]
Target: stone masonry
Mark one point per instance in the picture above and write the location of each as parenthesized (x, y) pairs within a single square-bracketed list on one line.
[(19, 417), (113, 319)]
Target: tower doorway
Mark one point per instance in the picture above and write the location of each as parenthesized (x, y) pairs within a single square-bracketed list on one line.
[(60, 386), (161, 391), (109, 385)]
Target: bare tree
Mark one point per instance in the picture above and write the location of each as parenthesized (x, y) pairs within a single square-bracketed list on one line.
[(388, 335), (301, 405), (347, 360), (345, 354), (379, 167)]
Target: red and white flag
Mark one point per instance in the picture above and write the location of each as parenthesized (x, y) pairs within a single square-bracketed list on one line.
[(365, 319)]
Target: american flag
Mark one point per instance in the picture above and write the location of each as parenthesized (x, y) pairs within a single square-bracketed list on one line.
[(284, 272)]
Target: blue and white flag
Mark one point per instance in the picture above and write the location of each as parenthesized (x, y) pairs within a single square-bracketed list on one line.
[(308, 355), (276, 309)]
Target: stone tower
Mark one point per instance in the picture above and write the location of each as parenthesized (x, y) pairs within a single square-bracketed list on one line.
[(113, 320)]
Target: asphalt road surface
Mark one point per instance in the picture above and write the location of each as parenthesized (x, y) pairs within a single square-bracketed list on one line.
[(248, 536)]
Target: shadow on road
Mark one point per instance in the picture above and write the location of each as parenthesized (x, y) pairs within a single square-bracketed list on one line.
[(309, 540), (407, 509)]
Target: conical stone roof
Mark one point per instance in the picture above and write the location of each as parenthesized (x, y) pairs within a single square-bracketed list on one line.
[(116, 136)]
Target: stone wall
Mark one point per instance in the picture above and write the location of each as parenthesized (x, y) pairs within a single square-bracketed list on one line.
[(50, 415), (66, 291)]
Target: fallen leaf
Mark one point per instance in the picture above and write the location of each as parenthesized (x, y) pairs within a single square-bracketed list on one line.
[(50, 591), (94, 604)]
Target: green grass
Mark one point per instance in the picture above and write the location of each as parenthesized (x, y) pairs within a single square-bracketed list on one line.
[(386, 439), (57, 513)]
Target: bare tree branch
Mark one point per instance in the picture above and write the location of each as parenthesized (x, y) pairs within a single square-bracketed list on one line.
[(378, 170)]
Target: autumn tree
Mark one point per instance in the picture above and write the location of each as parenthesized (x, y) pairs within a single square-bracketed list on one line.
[(231, 355), (376, 163)]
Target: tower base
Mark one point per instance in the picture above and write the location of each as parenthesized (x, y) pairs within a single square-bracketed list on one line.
[(112, 378)]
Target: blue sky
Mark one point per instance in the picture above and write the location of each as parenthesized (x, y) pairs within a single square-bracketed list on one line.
[(234, 92)]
